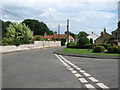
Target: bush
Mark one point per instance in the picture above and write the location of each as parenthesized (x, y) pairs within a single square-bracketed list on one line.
[(98, 49), (90, 46), (63, 41), (82, 42), (105, 45), (37, 38), (45, 39), (18, 34), (112, 49), (71, 45), (118, 49), (91, 41)]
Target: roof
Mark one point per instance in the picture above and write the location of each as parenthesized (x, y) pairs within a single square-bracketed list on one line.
[(93, 36), (56, 36)]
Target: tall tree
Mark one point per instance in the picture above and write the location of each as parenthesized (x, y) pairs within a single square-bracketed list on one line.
[(4, 26), (82, 34), (71, 34), (39, 27)]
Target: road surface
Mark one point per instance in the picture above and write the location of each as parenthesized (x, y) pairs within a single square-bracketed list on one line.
[(42, 68)]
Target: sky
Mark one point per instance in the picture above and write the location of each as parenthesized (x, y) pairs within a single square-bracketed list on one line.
[(84, 15)]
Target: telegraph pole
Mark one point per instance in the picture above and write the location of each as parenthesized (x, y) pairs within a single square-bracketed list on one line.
[(58, 32), (67, 31)]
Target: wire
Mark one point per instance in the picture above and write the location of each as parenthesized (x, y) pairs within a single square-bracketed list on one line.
[(11, 13)]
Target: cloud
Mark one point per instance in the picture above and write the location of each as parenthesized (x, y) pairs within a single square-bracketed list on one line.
[(87, 15)]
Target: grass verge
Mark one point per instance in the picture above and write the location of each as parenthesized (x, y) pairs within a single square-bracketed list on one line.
[(84, 51)]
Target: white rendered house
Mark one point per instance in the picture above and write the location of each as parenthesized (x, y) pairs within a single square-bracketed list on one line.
[(93, 36)]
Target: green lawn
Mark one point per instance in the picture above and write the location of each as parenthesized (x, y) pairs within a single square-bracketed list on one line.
[(84, 51)]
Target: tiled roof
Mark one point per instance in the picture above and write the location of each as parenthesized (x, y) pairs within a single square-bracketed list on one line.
[(61, 36)]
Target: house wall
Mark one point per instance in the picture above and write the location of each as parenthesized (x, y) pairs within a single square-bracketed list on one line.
[(36, 45)]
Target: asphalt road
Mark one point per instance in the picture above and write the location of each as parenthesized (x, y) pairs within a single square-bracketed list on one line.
[(43, 69)]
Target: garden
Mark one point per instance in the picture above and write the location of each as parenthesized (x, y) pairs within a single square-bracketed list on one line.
[(85, 46)]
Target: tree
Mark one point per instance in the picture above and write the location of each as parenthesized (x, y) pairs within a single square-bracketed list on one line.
[(91, 41), (71, 34), (4, 26), (82, 34), (19, 34), (39, 27), (49, 32), (82, 42)]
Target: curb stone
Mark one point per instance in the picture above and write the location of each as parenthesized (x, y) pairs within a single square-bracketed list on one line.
[(87, 56)]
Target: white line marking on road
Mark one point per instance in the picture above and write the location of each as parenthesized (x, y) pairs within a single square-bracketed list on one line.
[(102, 86), (70, 69), (78, 68), (93, 79), (77, 75), (82, 71), (87, 75), (75, 66), (74, 71), (89, 86), (82, 80)]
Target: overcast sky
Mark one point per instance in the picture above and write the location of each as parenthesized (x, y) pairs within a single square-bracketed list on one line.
[(84, 15)]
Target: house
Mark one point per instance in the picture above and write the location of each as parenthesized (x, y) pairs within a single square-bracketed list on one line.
[(115, 38), (103, 38), (93, 36), (57, 37)]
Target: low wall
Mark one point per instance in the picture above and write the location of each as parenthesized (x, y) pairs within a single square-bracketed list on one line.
[(37, 44)]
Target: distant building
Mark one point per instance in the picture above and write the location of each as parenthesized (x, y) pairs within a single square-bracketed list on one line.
[(93, 36), (103, 38), (56, 36), (115, 38)]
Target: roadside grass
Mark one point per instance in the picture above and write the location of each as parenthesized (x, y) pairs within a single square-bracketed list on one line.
[(84, 51)]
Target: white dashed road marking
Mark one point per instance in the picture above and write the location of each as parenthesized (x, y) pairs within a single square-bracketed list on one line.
[(79, 76), (73, 71), (102, 86), (78, 68), (82, 71), (70, 69), (89, 86), (93, 79), (87, 75), (82, 80)]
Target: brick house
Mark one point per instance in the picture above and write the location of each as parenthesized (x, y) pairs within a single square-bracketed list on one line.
[(115, 38), (103, 38)]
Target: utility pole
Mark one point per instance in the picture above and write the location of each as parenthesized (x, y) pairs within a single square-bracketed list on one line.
[(67, 31), (58, 32)]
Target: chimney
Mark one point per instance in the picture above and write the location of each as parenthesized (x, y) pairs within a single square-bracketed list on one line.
[(101, 33), (45, 35), (104, 30)]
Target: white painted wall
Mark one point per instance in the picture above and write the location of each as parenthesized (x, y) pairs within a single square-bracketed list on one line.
[(37, 44), (93, 36)]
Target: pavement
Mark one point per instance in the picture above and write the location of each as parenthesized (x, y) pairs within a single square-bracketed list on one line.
[(42, 68)]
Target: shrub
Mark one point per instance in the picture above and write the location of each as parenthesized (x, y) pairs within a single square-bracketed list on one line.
[(82, 42), (71, 45), (112, 49), (63, 41), (90, 46), (37, 38), (105, 45), (118, 49), (18, 34), (91, 41), (45, 39), (98, 49)]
